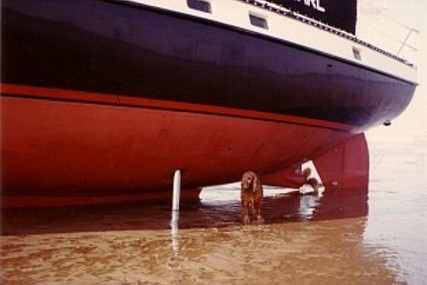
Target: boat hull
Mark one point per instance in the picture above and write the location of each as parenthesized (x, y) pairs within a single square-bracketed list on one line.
[(93, 149), (103, 101)]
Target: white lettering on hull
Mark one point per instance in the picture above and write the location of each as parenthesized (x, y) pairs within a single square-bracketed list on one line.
[(314, 4)]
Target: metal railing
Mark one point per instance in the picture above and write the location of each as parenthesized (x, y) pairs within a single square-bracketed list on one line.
[(323, 26)]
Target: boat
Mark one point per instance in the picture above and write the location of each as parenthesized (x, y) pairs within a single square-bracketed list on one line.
[(103, 100)]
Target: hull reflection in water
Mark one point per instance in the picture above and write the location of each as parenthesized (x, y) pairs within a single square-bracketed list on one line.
[(219, 207)]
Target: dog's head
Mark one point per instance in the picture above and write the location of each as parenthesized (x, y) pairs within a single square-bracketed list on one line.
[(248, 180)]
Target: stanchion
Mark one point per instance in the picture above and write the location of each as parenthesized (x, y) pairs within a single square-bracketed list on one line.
[(175, 210), (176, 190)]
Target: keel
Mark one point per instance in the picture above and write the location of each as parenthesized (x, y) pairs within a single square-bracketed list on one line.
[(343, 167)]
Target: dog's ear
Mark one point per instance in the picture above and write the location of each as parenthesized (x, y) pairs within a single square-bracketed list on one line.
[(255, 182)]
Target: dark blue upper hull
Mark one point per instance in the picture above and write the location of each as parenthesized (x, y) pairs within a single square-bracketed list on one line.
[(116, 48)]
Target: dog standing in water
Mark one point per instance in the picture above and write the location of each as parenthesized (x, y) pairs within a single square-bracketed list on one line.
[(251, 194)]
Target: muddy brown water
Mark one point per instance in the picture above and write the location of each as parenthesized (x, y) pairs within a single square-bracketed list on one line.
[(357, 238)]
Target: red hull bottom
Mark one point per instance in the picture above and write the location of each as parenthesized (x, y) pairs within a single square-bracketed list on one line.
[(56, 152)]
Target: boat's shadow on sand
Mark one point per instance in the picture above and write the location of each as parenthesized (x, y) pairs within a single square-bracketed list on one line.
[(282, 208)]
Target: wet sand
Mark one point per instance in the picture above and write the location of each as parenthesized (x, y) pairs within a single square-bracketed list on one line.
[(375, 238), (327, 252)]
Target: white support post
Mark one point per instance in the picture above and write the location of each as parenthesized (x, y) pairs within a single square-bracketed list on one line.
[(175, 210), (176, 190)]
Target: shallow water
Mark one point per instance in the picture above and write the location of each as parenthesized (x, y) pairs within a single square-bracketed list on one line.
[(356, 238)]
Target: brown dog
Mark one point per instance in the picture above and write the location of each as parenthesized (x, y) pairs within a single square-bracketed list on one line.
[(251, 194)]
